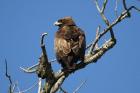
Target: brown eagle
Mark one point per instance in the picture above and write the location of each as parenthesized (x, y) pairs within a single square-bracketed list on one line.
[(69, 43)]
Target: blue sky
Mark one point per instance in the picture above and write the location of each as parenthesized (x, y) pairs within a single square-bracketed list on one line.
[(23, 21)]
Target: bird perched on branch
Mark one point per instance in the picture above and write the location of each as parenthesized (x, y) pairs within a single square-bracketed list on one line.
[(69, 43)]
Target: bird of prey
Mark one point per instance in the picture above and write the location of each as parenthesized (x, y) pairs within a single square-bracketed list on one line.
[(69, 43)]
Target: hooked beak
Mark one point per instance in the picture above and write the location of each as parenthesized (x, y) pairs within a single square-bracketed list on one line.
[(57, 23)]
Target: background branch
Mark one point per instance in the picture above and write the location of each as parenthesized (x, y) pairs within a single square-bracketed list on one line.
[(116, 7), (6, 73), (77, 89), (61, 89), (11, 89), (103, 16)]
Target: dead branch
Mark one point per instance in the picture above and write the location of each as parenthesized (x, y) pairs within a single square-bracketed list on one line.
[(33, 68), (39, 85), (116, 6), (6, 73), (94, 43), (9, 77), (76, 90), (44, 69), (61, 89), (26, 90)]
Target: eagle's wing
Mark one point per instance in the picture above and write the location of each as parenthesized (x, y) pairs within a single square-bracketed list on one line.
[(79, 45), (82, 39)]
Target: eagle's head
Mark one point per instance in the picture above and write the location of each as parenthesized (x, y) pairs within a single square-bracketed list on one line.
[(66, 21)]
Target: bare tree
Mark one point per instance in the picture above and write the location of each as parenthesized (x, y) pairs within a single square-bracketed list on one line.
[(54, 80)]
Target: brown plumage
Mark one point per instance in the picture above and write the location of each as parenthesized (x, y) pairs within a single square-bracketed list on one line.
[(69, 43)]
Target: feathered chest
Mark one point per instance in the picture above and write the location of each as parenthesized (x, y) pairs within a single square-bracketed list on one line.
[(67, 40)]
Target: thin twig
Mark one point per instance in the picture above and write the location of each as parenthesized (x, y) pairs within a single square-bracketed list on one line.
[(6, 73), (97, 5), (94, 42), (13, 88), (124, 5), (104, 6), (39, 85), (88, 46), (104, 18), (97, 33), (18, 89), (78, 88), (23, 91), (32, 69), (116, 7), (62, 90), (26, 70), (137, 9)]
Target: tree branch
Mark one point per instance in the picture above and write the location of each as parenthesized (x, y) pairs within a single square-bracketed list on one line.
[(61, 89), (39, 85), (6, 73), (116, 6), (76, 90), (103, 16), (9, 77), (44, 69)]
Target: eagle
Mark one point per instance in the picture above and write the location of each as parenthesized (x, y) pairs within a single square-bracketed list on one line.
[(69, 43)]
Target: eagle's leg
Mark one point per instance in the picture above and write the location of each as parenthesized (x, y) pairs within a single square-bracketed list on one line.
[(71, 64), (68, 66)]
